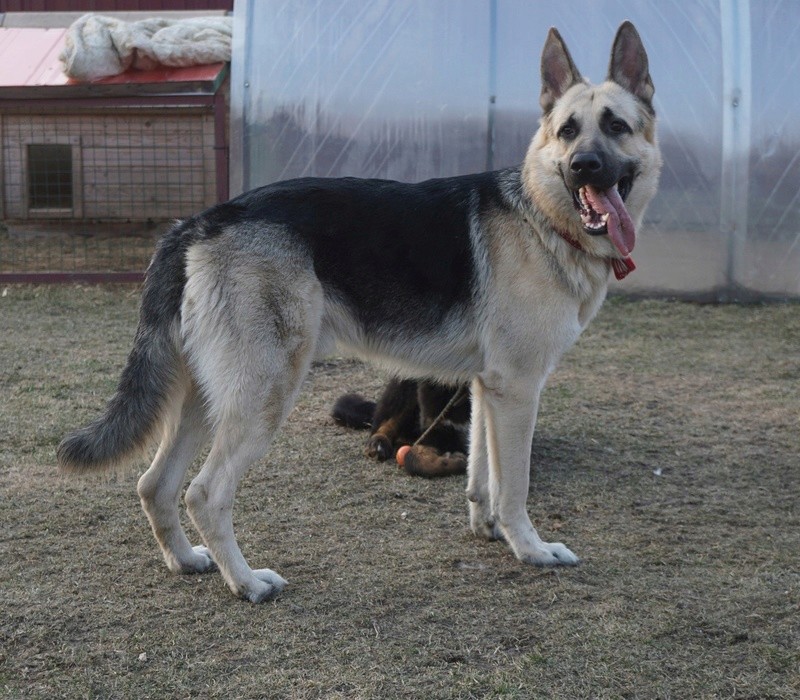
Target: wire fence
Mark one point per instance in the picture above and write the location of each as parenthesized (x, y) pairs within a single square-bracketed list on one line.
[(87, 192)]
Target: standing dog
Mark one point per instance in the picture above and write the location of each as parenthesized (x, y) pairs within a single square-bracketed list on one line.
[(494, 276)]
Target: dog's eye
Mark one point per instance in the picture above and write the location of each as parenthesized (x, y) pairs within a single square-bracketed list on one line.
[(617, 126), (568, 131)]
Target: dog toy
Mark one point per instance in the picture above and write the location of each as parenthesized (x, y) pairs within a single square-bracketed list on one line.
[(401, 454)]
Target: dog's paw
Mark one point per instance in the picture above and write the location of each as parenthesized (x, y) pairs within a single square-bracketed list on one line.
[(482, 524), (264, 585), (378, 447), (199, 561), (203, 560), (550, 554)]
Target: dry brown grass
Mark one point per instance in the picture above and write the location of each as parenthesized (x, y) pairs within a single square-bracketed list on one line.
[(666, 456), (81, 247)]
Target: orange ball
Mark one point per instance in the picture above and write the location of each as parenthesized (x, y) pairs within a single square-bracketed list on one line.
[(401, 454)]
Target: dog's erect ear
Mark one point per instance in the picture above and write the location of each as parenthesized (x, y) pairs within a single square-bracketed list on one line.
[(559, 73), (628, 66)]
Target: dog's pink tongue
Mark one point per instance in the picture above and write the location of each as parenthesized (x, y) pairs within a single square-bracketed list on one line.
[(619, 224)]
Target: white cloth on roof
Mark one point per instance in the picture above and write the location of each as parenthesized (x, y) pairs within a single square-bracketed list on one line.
[(98, 46)]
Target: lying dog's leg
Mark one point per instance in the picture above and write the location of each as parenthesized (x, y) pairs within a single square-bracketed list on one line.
[(160, 486), (441, 449), (396, 416), (509, 410), (427, 461)]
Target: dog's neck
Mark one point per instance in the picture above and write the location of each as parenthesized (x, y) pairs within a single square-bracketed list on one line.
[(514, 189), (621, 266)]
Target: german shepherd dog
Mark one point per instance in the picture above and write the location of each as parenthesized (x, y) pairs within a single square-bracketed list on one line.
[(494, 276)]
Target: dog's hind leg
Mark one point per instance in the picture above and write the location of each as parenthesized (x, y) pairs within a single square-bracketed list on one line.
[(238, 443), (251, 356), (160, 486)]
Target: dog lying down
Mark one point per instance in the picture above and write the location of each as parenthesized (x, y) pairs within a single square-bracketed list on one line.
[(413, 412), (495, 275)]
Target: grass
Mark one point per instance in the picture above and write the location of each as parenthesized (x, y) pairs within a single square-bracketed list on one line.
[(62, 247), (667, 456)]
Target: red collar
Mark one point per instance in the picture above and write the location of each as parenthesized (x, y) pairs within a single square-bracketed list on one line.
[(622, 267)]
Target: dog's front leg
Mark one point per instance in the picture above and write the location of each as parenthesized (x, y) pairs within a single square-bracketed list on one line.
[(480, 503), (507, 409)]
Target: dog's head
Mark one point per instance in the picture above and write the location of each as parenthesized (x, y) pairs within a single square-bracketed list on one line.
[(593, 165)]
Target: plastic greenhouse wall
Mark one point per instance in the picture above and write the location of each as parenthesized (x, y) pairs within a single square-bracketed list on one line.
[(413, 89)]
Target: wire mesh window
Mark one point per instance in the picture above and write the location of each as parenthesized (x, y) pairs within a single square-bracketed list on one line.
[(49, 177), (90, 190)]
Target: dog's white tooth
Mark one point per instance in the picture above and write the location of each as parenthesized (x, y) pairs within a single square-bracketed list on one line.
[(605, 217)]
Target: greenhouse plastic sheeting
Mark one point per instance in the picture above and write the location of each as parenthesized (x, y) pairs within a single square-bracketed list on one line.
[(413, 89)]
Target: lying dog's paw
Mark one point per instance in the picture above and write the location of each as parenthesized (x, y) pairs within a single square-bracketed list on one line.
[(378, 447)]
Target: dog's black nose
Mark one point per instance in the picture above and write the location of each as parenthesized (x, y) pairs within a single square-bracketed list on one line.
[(584, 165)]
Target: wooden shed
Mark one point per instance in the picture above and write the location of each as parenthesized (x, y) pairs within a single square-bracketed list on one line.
[(122, 156)]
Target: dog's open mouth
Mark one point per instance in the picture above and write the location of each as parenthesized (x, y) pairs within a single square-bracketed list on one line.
[(603, 212)]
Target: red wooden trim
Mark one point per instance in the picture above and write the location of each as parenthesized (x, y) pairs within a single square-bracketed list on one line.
[(142, 101), (114, 5), (62, 277)]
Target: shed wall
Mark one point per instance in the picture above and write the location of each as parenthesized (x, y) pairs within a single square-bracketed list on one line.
[(127, 166)]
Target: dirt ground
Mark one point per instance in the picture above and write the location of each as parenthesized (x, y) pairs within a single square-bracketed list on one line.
[(667, 456)]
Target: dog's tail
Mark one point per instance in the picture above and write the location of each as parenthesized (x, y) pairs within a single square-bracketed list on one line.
[(150, 378), (353, 411)]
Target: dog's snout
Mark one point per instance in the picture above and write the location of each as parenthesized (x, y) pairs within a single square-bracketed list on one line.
[(585, 164), (594, 168)]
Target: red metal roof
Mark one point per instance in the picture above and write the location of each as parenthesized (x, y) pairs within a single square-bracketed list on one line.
[(114, 5), (29, 66), (30, 57)]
